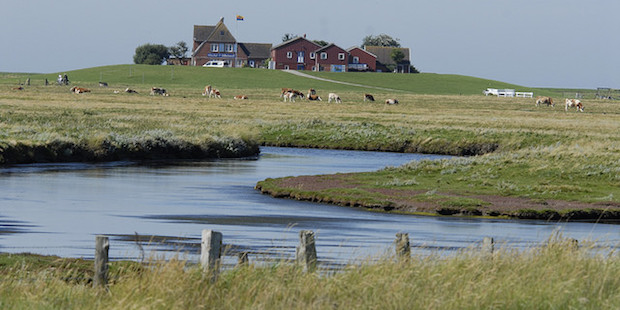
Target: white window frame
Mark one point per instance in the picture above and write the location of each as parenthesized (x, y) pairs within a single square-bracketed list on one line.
[(312, 55), (341, 56), (215, 47), (286, 67), (323, 55), (289, 55), (230, 48), (356, 60)]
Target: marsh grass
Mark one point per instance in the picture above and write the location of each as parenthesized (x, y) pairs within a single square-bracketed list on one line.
[(553, 275)]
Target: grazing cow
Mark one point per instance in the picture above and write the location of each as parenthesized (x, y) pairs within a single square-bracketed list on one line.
[(103, 84), (573, 103), (215, 93), (240, 97), (284, 91), (391, 101), (79, 90), (369, 97), (334, 97), (159, 91), (544, 100), (290, 95), (207, 91)]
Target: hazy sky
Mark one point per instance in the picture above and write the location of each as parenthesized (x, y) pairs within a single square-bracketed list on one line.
[(538, 43)]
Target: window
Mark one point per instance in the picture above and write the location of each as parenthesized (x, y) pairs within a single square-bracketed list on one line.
[(312, 55), (340, 56), (251, 63), (356, 60), (214, 47), (289, 55), (323, 55), (286, 67), (313, 68), (230, 48)]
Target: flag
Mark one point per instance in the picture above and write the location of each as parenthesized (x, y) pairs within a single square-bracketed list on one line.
[(239, 17)]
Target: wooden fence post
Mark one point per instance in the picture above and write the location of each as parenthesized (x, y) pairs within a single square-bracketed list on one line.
[(102, 246), (488, 245), (242, 259), (306, 251), (403, 250), (211, 251)]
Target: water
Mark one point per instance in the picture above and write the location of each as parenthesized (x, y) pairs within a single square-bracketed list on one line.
[(57, 209)]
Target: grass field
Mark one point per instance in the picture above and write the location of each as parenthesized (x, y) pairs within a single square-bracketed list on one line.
[(540, 154)]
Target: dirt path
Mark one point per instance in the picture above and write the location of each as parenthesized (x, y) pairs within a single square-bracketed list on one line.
[(301, 74)]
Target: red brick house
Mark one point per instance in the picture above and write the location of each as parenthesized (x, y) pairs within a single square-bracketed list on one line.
[(294, 54), (361, 60), (218, 43), (331, 58)]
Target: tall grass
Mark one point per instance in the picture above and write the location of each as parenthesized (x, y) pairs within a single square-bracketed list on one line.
[(553, 276)]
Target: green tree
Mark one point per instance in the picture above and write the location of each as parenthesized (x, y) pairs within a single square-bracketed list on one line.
[(288, 37), (151, 54), (178, 51), (380, 40), (320, 42), (397, 55)]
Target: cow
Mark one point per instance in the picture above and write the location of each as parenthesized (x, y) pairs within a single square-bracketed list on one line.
[(284, 91), (391, 101), (314, 98), (207, 91), (240, 97), (544, 100), (158, 91), (103, 84), (215, 93), (79, 90), (290, 95), (369, 97), (573, 103), (333, 97), (130, 91)]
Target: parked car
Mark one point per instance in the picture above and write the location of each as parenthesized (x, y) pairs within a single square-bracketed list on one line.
[(217, 64)]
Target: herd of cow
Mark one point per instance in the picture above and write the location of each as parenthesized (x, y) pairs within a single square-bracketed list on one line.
[(568, 103)]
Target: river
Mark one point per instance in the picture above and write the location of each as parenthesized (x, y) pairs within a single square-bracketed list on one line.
[(161, 208)]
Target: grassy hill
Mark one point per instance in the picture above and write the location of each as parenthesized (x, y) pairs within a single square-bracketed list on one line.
[(237, 78)]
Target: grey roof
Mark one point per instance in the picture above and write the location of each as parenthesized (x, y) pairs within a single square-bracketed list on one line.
[(217, 33), (384, 54), (256, 50)]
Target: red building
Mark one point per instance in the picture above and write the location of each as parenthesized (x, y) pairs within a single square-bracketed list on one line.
[(294, 54), (361, 60), (331, 58)]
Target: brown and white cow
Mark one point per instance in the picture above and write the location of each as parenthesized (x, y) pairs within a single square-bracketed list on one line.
[(241, 97), (314, 98), (207, 91), (215, 93), (369, 97), (544, 100), (79, 90), (391, 101), (573, 103), (290, 95)]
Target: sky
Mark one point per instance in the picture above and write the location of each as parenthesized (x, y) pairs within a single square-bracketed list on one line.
[(533, 43)]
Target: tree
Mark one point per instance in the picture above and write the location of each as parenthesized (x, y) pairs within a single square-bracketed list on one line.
[(178, 51), (397, 55), (380, 40), (151, 54), (288, 37), (320, 42)]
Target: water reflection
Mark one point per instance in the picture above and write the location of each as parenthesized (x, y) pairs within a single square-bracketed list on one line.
[(163, 206)]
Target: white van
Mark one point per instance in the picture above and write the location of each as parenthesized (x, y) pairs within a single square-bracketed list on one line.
[(217, 64)]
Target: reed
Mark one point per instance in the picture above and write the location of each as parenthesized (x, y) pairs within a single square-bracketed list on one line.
[(554, 275)]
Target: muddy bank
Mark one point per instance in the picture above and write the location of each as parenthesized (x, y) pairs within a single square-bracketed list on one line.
[(113, 150), (336, 189)]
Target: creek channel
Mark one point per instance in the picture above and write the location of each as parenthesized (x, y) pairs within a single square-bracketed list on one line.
[(161, 208)]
